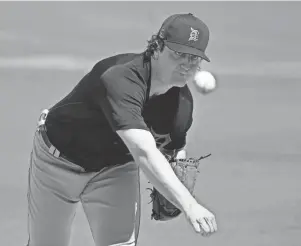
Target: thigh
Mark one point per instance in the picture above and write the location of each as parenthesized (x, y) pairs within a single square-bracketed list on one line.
[(111, 202), (53, 195)]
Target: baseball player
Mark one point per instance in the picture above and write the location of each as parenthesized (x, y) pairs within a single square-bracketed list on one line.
[(126, 114)]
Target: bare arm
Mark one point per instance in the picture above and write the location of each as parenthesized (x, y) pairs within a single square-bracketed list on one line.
[(143, 148)]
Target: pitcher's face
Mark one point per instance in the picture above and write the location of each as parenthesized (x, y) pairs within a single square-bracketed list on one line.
[(178, 68)]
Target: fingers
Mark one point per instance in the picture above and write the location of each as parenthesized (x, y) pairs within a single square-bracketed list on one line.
[(197, 227), (208, 225), (214, 224), (202, 220), (205, 226)]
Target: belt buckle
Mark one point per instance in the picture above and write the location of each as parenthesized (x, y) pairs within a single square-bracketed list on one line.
[(42, 119)]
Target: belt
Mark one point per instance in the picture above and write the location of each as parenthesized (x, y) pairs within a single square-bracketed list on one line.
[(51, 148)]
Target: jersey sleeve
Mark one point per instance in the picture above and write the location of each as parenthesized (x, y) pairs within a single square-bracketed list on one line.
[(121, 96)]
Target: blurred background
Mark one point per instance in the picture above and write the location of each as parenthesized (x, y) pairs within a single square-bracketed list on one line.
[(250, 125)]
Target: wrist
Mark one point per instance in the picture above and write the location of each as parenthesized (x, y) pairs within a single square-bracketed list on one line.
[(188, 203)]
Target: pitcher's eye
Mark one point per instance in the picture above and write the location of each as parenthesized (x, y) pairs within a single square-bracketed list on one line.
[(178, 53), (194, 57)]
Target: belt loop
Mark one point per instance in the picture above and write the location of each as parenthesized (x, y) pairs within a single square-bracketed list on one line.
[(54, 151)]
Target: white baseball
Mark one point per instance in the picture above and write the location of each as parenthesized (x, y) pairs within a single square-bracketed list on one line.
[(204, 81)]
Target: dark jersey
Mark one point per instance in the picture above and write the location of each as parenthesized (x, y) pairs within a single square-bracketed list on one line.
[(113, 96), (169, 117)]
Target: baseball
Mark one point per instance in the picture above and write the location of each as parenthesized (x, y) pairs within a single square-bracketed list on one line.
[(204, 81)]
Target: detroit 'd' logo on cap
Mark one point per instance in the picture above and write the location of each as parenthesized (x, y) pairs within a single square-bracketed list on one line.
[(194, 35)]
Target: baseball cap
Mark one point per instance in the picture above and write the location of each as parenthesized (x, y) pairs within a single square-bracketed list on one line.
[(185, 33)]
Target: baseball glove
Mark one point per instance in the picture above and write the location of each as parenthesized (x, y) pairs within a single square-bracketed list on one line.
[(186, 170)]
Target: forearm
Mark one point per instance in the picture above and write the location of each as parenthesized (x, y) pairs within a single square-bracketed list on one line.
[(155, 166), (161, 175)]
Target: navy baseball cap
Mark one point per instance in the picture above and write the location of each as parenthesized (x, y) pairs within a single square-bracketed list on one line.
[(185, 33)]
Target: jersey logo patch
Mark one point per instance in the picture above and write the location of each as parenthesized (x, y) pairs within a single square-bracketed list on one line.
[(161, 139)]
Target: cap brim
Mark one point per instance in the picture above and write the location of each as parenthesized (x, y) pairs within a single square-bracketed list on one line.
[(187, 50)]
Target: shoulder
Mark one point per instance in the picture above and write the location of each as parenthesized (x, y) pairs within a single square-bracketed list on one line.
[(121, 64), (128, 76), (124, 84), (102, 65), (123, 78)]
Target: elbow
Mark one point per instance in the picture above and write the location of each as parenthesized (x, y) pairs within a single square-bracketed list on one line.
[(140, 143), (142, 152)]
